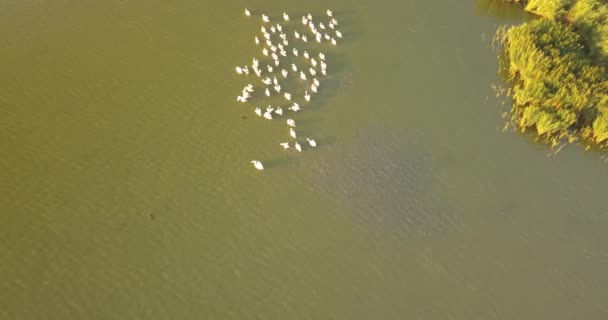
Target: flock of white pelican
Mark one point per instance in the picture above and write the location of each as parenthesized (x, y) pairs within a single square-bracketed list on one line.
[(287, 54)]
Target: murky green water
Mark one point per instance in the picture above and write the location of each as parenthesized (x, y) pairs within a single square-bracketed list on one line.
[(127, 191)]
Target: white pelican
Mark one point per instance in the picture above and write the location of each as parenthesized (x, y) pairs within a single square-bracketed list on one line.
[(324, 72), (323, 65), (287, 96), (265, 51), (248, 88), (241, 99), (306, 96), (292, 133), (285, 16), (333, 41), (258, 165), (313, 88), (334, 21), (258, 111), (284, 72), (315, 81), (294, 67), (267, 36), (313, 62), (309, 16), (295, 107), (304, 21), (318, 38), (291, 123), (269, 43), (267, 92), (331, 25), (298, 147), (279, 111), (273, 48), (246, 70), (285, 42), (322, 26), (273, 29), (329, 13), (269, 68), (327, 37), (275, 80), (276, 62), (283, 53), (265, 18), (321, 56), (263, 29), (304, 38), (257, 41), (268, 115), (269, 109), (239, 70), (274, 56), (280, 28), (311, 142), (295, 52), (285, 145), (306, 55), (277, 88), (267, 81), (296, 34), (312, 72), (247, 13), (339, 34), (302, 75)]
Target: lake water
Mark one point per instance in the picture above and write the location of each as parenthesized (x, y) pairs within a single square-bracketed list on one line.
[(127, 192)]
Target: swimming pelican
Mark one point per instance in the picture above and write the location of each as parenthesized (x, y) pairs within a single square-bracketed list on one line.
[(321, 56), (329, 13), (285, 145), (257, 41), (268, 115), (295, 107), (304, 38), (309, 16), (273, 48), (285, 42), (265, 18), (284, 72), (291, 123), (315, 81), (247, 13), (313, 88), (274, 56), (276, 62), (241, 99), (267, 36), (322, 26), (275, 81), (304, 21), (267, 81), (283, 53), (331, 25), (311, 142), (258, 111), (306, 96), (296, 34), (239, 70), (312, 72), (294, 68), (333, 41), (324, 72), (280, 28), (298, 147), (265, 51), (273, 29), (323, 65), (318, 38), (302, 75), (269, 68), (279, 111), (269, 109), (285, 16), (339, 34), (267, 92), (277, 88), (246, 70), (269, 43), (306, 55), (327, 37), (287, 96), (295, 52), (263, 29), (258, 165), (313, 62), (334, 21), (292, 133)]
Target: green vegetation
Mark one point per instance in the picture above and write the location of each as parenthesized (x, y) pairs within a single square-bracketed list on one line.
[(557, 66)]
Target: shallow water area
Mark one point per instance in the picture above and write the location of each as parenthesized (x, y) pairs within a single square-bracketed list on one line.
[(127, 190)]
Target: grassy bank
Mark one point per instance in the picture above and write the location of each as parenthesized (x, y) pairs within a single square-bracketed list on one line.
[(557, 67)]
